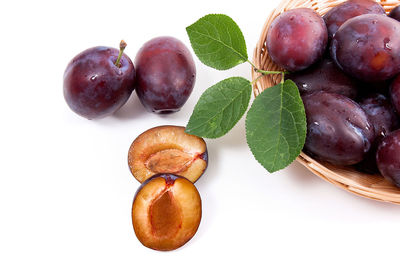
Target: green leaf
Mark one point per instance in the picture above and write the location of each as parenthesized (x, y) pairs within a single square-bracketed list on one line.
[(276, 126), (218, 41), (219, 108)]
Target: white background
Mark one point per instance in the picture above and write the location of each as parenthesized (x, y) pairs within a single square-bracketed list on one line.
[(65, 188)]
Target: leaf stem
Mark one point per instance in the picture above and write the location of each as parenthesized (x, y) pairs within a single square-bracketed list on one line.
[(264, 72)]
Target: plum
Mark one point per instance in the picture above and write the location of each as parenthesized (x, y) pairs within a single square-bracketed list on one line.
[(166, 74), (338, 129), (395, 13), (339, 14), (384, 119), (388, 157), (166, 212), (98, 81), (395, 94), (368, 47), (167, 149), (297, 38), (324, 76)]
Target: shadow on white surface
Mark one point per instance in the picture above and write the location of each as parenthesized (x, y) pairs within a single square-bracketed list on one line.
[(132, 109)]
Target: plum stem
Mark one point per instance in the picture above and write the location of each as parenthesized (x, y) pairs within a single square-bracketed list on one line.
[(122, 46)]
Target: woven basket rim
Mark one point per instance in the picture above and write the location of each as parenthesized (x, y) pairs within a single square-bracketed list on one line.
[(373, 187)]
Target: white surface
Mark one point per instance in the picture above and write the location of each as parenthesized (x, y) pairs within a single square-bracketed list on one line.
[(65, 188)]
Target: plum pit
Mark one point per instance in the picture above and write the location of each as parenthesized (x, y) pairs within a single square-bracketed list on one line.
[(167, 149)]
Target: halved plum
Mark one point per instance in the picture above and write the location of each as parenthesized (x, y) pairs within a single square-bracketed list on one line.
[(167, 149), (166, 212)]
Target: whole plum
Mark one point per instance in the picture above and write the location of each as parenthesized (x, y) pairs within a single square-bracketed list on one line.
[(384, 119), (95, 85), (388, 157), (297, 38), (338, 130), (395, 13), (339, 14), (368, 47), (166, 74), (395, 94), (324, 76)]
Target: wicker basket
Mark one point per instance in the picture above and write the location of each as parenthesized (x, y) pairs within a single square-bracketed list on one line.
[(369, 186)]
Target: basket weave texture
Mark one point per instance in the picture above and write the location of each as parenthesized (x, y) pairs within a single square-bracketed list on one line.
[(366, 185)]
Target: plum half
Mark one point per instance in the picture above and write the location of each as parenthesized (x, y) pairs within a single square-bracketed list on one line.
[(166, 212), (167, 149)]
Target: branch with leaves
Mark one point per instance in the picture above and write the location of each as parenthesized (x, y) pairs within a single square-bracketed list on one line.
[(276, 121)]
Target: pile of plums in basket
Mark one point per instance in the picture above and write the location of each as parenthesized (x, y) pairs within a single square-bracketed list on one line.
[(166, 210), (99, 80), (346, 65)]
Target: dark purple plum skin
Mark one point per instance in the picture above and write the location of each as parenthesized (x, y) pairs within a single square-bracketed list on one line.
[(93, 86), (395, 94), (367, 47), (339, 14), (297, 38), (324, 76), (338, 130), (384, 119), (166, 74), (395, 13), (388, 157)]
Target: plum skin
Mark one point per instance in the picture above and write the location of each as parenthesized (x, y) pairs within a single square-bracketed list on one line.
[(367, 47), (339, 14), (384, 119), (296, 39), (395, 94), (166, 74), (324, 76), (388, 157), (93, 86), (338, 130), (395, 13)]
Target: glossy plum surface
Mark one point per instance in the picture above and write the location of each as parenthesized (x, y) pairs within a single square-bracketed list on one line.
[(339, 14), (93, 86), (338, 129), (297, 38), (395, 13), (368, 47), (395, 94), (324, 76), (384, 119), (388, 157), (166, 74)]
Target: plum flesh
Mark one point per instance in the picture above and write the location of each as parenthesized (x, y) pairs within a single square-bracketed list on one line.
[(167, 149), (166, 212)]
